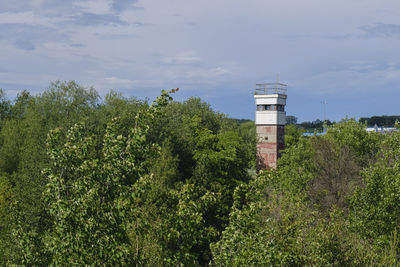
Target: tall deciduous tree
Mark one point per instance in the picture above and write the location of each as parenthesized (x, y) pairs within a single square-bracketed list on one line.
[(89, 192)]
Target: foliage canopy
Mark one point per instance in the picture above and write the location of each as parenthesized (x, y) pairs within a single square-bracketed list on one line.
[(119, 181)]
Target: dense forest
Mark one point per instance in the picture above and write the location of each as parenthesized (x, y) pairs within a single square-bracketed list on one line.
[(120, 181)]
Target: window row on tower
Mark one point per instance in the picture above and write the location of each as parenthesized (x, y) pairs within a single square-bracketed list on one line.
[(271, 107)]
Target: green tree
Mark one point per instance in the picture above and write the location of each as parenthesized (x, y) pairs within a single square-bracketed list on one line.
[(5, 106), (377, 202), (6, 223), (23, 153), (306, 211), (292, 135), (352, 134), (89, 192)]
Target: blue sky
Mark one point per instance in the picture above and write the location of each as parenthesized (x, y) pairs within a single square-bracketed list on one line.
[(343, 51)]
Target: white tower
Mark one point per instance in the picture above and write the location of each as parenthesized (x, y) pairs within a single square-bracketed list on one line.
[(270, 120)]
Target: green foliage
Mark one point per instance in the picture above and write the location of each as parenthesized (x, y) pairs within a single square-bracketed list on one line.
[(292, 135), (352, 134), (23, 154), (122, 182), (386, 121), (5, 107), (270, 228), (377, 202), (186, 227), (296, 167), (247, 132), (319, 208), (314, 126), (6, 224), (220, 167), (89, 194), (114, 192)]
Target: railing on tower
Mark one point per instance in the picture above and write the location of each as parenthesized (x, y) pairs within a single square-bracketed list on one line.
[(270, 89)]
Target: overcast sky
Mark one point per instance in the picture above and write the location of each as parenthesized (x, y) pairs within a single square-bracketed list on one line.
[(343, 51)]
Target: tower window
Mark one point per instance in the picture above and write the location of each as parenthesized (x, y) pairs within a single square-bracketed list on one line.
[(280, 107)]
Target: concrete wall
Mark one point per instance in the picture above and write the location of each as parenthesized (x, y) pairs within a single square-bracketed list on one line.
[(270, 117), (270, 99)]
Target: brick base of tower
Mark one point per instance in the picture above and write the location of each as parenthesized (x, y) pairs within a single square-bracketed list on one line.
[(270, 142)]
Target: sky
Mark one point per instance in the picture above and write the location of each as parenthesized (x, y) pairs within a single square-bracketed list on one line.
[(344, 52)]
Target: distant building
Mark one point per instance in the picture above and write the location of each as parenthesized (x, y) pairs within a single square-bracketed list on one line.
[(375, 129), (381, 129), (270, 119)]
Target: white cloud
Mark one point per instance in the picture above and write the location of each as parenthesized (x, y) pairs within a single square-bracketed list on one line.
[(392, 75), (115, 82), (95, 6), (205, 74), (183, 58), (29, 18), (26, 80), (203, 45)]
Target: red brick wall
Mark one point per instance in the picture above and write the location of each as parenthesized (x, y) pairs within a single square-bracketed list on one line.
[(268, 151)]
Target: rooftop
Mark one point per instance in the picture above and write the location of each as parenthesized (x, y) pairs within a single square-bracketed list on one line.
[(270, 89)]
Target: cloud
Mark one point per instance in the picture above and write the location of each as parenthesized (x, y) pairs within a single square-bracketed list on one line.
[(15, 6), (46, 12), (115, 83), (381, 30), (28, 18), (199, 77), (21, 79), (357, 77), (94, 6), (77, 45), (120, 5), (52, 8), (207, 73), (24, 45), (26, 36), (185, 58), (392, 75), (89, 19), (199, 46)]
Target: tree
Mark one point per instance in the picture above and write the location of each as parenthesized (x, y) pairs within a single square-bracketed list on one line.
[(291, 119), (377, 202), (299, 214), (353, 135), (292, 135), (89, 191), (7, 248), (5, 106)]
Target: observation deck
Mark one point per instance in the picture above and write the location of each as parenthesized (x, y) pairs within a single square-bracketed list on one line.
[(270, 89)]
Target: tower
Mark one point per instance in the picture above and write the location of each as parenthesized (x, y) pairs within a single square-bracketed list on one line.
[(270, 99)]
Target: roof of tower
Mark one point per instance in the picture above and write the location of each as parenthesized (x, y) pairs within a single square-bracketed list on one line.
[(270, 89)]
